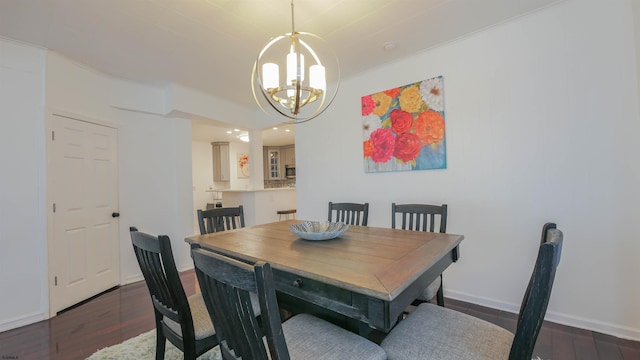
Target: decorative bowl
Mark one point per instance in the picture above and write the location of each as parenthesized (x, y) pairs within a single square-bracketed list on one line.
[(318, 230)]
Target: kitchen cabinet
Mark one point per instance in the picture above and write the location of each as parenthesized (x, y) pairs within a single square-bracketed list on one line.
[(221, 170), (273, 164), (288, 155), (274, 160)]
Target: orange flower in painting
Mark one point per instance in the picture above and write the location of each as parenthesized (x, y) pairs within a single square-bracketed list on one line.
[(393, 92), (429, 127), (381, 102), (368, 148), (410, 99)]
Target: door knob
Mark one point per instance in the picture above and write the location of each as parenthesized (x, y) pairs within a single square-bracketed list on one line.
[(115, 214)]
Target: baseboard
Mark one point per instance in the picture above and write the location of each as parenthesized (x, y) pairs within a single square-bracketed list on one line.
[(133, 278), (559, 318), (186, 267), (22, 321), (138, 277)]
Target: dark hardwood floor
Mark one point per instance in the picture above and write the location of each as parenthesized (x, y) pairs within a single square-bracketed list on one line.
[(125, 312)]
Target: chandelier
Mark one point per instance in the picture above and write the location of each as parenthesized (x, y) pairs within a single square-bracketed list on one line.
[(300, 97)]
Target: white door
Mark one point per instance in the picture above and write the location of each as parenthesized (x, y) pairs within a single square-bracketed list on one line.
[(83, 183)]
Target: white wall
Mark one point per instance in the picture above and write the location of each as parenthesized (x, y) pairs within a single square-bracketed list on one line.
[(202, 169), (154, 171), (23, 257), (154, 156), (541, 121)]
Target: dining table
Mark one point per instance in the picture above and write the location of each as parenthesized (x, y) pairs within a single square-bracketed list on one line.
[(363, 280)]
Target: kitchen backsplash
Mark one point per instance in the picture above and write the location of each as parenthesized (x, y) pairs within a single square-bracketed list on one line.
[(268, 184)]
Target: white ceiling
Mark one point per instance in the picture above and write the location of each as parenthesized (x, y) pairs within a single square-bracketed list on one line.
[(210, 45)]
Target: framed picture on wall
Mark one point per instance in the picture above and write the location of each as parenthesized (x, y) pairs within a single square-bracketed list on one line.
[(243, 165), (404, 128)]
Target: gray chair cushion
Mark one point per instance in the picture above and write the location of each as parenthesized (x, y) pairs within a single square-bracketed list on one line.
[(309, 337), (430, 291), (434, 332), (202, 325)]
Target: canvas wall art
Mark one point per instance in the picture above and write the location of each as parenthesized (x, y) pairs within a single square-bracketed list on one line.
[(404, 128), (243, 165)]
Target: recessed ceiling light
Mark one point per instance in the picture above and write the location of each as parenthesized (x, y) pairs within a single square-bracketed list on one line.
[(244, 137), (287, 130), (275, 128), (236, 130), (229, 132)]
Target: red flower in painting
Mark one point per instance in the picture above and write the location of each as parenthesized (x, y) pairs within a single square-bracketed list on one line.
[(401, 121), (368, 148), (383, 145), (407, 147), (429, 126), (367, 105)]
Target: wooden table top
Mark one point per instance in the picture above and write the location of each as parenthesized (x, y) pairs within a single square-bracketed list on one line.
[(377, 262)]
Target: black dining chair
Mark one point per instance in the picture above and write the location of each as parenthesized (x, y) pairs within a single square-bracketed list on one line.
[(226, 286), (434, 332), (423, 217), (181, 320), (220, 219), (349, 213)]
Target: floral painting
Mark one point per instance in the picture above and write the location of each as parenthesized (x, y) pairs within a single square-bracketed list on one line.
[(403, 128), (243, 165)]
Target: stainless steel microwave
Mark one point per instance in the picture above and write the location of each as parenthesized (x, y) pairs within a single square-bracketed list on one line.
[(290, 171)]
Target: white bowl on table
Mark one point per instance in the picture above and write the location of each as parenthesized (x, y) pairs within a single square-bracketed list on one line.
[(318, 230)]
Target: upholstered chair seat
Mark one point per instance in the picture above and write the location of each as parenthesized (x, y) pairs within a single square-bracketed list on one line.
[(202, 325), (431, 290), (437, 333), (309, 337)]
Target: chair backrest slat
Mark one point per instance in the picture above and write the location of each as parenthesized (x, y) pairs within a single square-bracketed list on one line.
[(349, 213), (420, 217), (220, 219), (536, 298), (226, 285)]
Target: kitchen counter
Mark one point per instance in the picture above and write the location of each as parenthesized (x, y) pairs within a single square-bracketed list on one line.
[(255, 190), (260, 205)]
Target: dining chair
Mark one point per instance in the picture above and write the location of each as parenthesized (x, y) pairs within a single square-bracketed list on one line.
[(422, 217), (349, 213), (434, 332), (181, 320), (226, 286), (220, 219)]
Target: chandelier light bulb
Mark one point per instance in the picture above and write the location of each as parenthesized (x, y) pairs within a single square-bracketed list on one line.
[(270, 76), (317, 79), (293, 71)]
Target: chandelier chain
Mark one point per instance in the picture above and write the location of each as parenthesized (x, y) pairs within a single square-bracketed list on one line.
[(292, 25)]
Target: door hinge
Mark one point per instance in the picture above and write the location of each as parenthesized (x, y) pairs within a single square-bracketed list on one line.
[(54, 207), (53, 135), (55, 281)]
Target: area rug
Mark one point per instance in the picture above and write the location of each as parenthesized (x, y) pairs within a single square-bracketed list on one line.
[(143, 347)]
